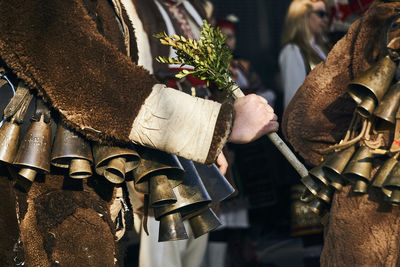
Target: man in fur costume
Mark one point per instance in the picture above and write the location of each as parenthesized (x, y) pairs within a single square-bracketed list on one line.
[(362, 229), (79, 56)]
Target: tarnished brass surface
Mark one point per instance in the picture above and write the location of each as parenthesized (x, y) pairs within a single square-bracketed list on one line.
[(360, 187), (335, 180), (154, 162), (34, 151), (191, 195), (389, 105), (312, 184), (160, 191), (67, 146), (114, 162), (171, 228), (318, 206), (326, 194), (115, 170), (338, 160), (28, 173), (9, 135), (394, 198), (80, 169), (384, 172), (360, 165), (319, 173), (204, 222), (373, 82), (392, 182), (366, 106)]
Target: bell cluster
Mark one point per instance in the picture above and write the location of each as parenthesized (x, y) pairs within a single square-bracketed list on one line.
[(176, 189), (351, 161)]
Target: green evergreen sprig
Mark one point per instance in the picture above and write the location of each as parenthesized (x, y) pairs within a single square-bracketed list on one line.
[(209, 56)]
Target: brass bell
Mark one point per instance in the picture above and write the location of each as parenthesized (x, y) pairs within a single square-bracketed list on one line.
[(373, 82), (392, 183), (114, 162), (326, 194), (191, 195), (203, 222), (318, 206), (216, 184), (359, 168), (388, 107), (160, 191), (383, 172), (366, 106), (9, 136), (312, 184), (360, 187), (394, 198), (155, 162), (334, 165), (73, 152), (319, 173), (171, 228), (33, 155)]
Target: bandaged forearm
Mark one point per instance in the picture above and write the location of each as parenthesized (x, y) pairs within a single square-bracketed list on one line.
[(180, 124)]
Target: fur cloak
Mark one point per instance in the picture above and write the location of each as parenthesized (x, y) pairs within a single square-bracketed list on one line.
[(363, 230)]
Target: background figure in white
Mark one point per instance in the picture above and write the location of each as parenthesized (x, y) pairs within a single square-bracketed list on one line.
[(181, 253), (304, 43)]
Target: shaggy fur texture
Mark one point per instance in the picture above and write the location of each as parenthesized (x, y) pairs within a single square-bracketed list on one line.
[(57, 48), (363, 230), (72, 53)]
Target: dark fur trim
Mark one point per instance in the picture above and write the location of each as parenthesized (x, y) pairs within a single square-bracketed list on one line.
[(222, 130), (55, 47)]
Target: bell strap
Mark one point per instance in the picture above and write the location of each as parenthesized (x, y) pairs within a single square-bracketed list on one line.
[(18, 105)]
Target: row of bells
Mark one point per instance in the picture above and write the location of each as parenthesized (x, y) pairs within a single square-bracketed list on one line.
[(178, 189), (377, 97)]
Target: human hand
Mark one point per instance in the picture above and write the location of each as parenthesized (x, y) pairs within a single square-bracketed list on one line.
[(253, 119), (222, 163)]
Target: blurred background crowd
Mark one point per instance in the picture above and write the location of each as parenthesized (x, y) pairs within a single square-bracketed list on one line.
[(275, 45)]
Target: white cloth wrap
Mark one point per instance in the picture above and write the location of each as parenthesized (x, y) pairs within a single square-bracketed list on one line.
[(177, 123)]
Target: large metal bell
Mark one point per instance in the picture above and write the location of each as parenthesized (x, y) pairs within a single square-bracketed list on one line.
[(73, 152), (34, 152), (334, 165), (374, 82), (388, 107), (171, 228), (383, 173), (358, 171)]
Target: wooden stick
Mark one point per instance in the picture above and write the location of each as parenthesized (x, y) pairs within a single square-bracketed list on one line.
[(280, 144)]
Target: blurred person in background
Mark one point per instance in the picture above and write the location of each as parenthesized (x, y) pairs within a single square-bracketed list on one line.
[(304, 43)]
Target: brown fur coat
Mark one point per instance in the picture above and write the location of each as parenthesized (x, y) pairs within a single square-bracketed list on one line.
[(363, 230)]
